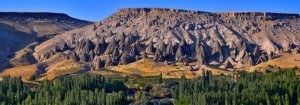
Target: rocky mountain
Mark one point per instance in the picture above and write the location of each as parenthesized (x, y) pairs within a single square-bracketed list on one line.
[(19, 29), (225, 40)]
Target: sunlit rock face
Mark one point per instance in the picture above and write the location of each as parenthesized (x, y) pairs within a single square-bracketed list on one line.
[(173, 35)]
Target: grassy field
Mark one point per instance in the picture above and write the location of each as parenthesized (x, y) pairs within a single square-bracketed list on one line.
[(21, 71), (144, 67), (63, 68), (147, 67), (284, 61)]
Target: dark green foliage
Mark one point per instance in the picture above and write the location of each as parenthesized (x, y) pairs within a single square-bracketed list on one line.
[(118, 85), (241, 88), (281, 87), (83, 89), (160, 78), (142, 98), (165, 102)]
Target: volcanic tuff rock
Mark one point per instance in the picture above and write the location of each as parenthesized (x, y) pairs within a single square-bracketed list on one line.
[(175, 35), (19, 29)]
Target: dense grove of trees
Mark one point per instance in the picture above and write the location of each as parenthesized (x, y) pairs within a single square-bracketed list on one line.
[(84, 90), (275, 88)]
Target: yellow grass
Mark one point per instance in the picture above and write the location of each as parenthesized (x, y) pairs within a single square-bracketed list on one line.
[(108, 74), (144, 66), (63, 68), (215, 71), (22, 71), (284, 61), (147, 67), (19, 60)]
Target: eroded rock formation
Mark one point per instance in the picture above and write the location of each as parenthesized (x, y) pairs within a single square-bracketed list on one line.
[(172, 35)]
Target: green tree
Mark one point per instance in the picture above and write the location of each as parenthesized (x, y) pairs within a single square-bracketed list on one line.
[(160, 78)]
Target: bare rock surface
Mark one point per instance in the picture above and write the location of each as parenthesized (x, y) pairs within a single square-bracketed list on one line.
[(174, 35)]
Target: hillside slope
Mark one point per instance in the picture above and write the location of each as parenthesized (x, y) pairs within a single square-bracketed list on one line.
[(194, 39), (19, 29), (173, 35)]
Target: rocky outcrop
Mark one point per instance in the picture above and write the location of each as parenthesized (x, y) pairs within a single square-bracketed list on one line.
[(111, 47), (296, 50), (108, 63), (217, 52), (97, 63), (159, 56), (228, 64), (172, 35), (179, 54), (100, 47), (200, 53), (170, 51), (150, 48)]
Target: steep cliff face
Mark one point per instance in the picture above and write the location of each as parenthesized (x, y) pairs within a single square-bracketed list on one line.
[(19, 29), (173, 35)]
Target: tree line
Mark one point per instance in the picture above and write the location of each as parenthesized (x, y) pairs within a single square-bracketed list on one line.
[(276, 88), (73, 90)]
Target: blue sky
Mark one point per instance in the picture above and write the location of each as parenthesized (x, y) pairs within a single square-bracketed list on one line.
[(96, 10)]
